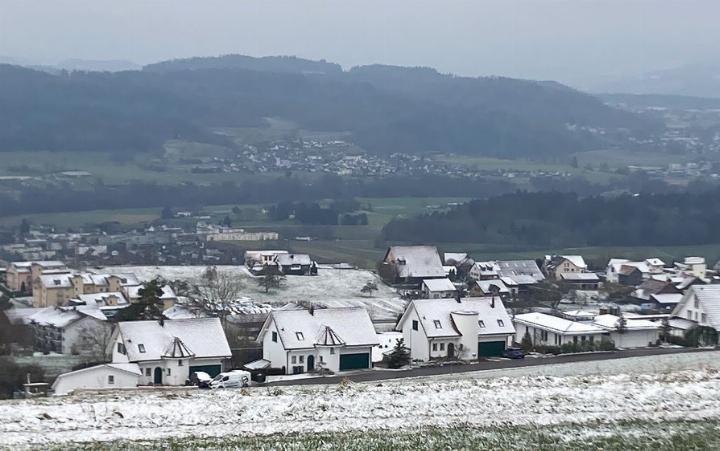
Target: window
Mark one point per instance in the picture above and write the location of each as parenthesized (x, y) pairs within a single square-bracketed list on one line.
[(299, 336), (543, 335), (481, 323), (591, 338), (575, 339), (415, 325), (293, 359), (121, 348), (168, 371), (301, 359), (321, 359), (703, 318), (501, 323), (434, 346), (696, 303), (442, 346), (141, 348), (148, 372), (689, 315), (274, 337), (111, 379), (437, 324), (332, 350), (180, 363), (583, 338)]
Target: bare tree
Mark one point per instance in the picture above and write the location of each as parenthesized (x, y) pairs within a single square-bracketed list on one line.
[(94, 341), (369, 287), (220, 291)]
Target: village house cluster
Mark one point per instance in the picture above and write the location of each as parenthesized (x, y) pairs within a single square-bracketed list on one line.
[(453, 309)]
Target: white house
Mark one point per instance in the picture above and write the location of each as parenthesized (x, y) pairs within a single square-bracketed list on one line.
[(108, 376), (701, 305), (553, 331), (467, 329), (168, 352), (337, 339), (637, 333), (69, 330), (438, 288)]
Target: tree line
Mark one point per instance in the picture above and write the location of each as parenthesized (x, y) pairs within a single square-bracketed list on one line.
[(553, 219)]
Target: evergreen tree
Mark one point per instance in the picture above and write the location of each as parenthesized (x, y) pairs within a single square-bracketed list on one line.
[(400, 355), (148, 307), (526, 342)]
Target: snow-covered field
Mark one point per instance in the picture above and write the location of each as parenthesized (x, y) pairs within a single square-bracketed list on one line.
[(331, 287), (658, 389)]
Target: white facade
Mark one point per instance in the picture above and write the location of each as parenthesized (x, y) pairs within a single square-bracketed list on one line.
[(101, 377), (299, 341), (446, 328), (550, 330)]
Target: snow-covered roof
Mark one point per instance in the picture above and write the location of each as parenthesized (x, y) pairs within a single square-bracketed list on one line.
[(177, 350), (203, 337), (487, 286), (101, 299), (559, 325), (56, 280), (438, 285), (43, 263), (520, 279), (610, 322), (417, 261), (580, 276), (299, 329), (666, 298), (131, 368), (520, 269), (708, 296), (454, 257), (293, 259), (495, 319), (655, 262), (579, 315), (576, 260), (55, 316)]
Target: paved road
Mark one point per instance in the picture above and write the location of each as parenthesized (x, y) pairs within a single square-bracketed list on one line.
[(379, 375)]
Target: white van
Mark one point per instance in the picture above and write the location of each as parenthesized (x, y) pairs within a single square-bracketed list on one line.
[(231, 379)]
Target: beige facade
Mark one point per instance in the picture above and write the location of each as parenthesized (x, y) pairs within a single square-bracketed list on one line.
[(21, 275)]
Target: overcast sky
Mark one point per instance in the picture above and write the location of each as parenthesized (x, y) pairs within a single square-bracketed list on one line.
[(575, 41)]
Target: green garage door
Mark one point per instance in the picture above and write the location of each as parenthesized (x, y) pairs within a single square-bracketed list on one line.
[(354, 361), (491, 348), (212, 370)]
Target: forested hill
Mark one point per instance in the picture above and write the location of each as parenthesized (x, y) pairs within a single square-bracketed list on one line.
[(386, 109), (554, 220)]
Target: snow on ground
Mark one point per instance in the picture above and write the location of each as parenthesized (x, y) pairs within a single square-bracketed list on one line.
[(687, 388), (331, 287)]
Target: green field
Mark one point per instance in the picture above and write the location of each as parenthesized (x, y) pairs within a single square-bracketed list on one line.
[(634, 435), (77, 219)]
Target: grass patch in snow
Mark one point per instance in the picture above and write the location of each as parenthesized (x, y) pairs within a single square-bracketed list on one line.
[(624, 436)]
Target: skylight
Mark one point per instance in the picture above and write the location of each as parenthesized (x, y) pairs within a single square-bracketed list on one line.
[(299, 336)]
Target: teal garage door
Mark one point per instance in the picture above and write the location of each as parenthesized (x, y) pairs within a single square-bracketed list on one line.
[(491, 348), (354, 361), (212, 370)]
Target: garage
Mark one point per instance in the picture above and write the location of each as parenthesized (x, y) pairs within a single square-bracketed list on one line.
[(491, 348), (354, 361), (212, 370)]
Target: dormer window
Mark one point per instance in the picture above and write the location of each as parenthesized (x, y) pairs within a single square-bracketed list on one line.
[(501, 323), (299, 336), (141, 348), (437, 324)]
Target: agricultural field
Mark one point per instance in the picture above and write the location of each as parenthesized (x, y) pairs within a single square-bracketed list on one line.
[(661, 402)]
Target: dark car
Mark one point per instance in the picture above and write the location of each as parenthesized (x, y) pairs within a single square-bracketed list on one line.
[(513, 353)]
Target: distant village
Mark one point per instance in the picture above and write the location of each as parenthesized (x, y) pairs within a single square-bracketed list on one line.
[(276, 315)]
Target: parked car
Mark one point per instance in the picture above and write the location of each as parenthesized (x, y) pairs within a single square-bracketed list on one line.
[(201, 379), (231, 379), (513, 353)]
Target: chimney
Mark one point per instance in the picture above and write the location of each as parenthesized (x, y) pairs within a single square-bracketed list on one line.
[(161, 321), (492, 301)]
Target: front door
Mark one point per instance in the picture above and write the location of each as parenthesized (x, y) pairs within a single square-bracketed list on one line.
[(451, 350), (157, 379), (311, 363)]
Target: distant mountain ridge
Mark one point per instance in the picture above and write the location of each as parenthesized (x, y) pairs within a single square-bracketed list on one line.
[(387, 109)]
